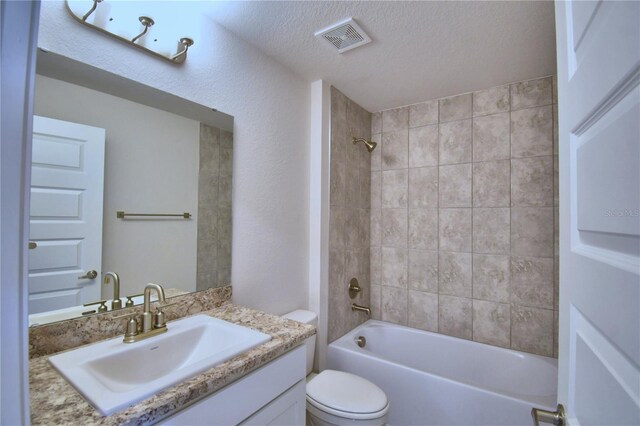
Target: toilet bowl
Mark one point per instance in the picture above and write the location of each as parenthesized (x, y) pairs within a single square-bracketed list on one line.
[(336, 397)]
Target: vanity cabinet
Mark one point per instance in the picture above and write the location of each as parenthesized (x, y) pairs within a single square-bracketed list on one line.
[(274, 394)]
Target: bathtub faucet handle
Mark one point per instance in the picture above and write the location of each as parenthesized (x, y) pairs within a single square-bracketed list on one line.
[(365, 309)]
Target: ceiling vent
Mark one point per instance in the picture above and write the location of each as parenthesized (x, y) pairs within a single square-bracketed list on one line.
[(345, 35)]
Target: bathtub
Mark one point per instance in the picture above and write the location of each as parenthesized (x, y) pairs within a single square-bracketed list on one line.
[(432, 379)]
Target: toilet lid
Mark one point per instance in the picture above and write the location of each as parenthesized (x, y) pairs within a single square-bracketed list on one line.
[(346, 393)]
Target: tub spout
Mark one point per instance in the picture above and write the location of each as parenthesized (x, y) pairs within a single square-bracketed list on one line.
[(365, 309)]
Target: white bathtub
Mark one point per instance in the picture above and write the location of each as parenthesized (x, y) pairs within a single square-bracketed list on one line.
[(432, 379)]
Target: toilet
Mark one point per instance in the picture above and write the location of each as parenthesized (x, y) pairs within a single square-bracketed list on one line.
[(336, 397)]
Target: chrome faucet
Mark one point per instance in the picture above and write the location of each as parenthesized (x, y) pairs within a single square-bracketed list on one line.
[(147, 316), (116, 303), (152, 324)]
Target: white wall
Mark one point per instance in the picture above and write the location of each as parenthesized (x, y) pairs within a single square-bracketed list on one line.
[(151, 166), (271, 136)]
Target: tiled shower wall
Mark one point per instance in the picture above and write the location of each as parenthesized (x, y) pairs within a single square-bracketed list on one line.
[(350, 191), (463, 206), (214, 208)]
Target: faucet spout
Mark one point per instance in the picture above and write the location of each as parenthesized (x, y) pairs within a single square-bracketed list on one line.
[(146, 316), (116, 303)]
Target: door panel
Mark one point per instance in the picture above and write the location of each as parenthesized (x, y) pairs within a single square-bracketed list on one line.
[(67, 181), (598, 45)]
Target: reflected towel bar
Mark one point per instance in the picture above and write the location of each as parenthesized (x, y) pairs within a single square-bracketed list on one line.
[(121, 215)]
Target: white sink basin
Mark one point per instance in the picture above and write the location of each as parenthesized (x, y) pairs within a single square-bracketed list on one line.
[(113, 375)]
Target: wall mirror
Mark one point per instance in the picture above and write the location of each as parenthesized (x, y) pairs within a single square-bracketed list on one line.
[(127, 180)]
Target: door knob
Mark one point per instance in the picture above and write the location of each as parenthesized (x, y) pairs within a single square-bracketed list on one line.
[(32, 245), (554, 417), (91, 275)]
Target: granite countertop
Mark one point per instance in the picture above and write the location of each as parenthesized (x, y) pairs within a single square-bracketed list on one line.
[(55, 402)]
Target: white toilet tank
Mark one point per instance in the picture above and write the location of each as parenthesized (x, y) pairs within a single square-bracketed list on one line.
[(306, 317)]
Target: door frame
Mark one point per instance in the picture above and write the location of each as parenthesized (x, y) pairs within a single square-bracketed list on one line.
[(19, 33)]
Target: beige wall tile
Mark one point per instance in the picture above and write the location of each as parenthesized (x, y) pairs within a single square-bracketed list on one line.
[(492, 323), (491, 231), (423, 113), (376, 155), (224, 192), (423, 146), (455, 108), (532, 330), (454, 270), (423, 229), (455, 230), (423, 310), (376, 123), (365, 188), (480, 197), (352, 268), (337, 185), (352, 186), (455, 316), (532, 282), (455, 142), (394, 267), (375, 266), (394, 228), (532, 93), (352, 228), (532, 181), (532, 231), (226, 139), (395, 119), (376, 297), (395, 188), (338, 104), (491, 277), (423, 187), (339, 139), (455, 185), (492, 184), (376, 190), (226, 162), (364, 228), (491, 137), (394, 305), (532, 132), (375, 227), (337, 220), (491, 101), (395, 150), (423, 270)]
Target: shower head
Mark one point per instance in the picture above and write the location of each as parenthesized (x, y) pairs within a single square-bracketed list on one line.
[(369, 144)]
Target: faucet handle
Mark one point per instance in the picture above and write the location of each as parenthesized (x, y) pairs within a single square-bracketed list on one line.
[(130, 300), (132, 325), (159, 317), (101, 308)]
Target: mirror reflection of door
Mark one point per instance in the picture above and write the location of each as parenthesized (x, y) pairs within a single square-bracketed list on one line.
[(67, 185)]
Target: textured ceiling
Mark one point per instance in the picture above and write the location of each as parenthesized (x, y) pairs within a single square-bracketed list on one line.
[(420, 50)]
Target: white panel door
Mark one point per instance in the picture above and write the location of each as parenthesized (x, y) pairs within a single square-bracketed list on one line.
[(598, 46), (67, 184)]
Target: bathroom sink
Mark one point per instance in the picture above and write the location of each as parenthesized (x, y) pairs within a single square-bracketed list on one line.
[(112, 375)]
